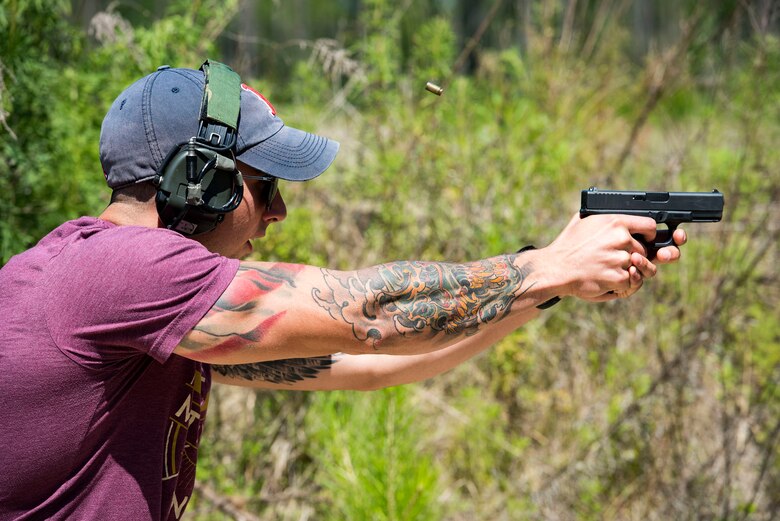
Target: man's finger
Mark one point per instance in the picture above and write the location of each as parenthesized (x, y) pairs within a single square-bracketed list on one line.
[(644, 226), (638, 247), (636, 280), (668, 254), (680, 237), (672, 253), (645, 268)]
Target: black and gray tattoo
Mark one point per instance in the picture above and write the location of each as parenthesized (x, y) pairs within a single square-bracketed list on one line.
[(287, 371)]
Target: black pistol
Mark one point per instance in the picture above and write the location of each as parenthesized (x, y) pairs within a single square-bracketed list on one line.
[(669, 208)]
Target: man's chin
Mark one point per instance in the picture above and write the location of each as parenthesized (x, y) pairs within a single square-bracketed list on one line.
[(239, 253)]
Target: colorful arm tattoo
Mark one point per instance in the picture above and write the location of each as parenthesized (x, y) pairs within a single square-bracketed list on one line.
[(398, 298), (250, 283), (422, 296), (217, 335), (279, 371)]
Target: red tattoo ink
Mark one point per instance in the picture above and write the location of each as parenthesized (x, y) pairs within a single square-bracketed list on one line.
[(251, 283), (236, 342)]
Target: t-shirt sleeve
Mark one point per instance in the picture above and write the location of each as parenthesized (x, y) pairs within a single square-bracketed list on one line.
[(131, 290)]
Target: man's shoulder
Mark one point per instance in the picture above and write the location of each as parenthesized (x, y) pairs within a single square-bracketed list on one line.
[(91, 232), (89, 250), (93, 238), (94, 227)]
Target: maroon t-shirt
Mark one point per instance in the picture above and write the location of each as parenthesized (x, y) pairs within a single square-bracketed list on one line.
[(98, 419)]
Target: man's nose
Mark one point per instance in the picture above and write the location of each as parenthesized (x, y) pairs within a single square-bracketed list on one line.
[(278, 210)]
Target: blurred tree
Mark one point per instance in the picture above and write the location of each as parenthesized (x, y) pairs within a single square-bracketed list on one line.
[(36, 43), (270, 36)]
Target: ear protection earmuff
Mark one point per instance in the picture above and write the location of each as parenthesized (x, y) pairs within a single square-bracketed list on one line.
[(198, 183)]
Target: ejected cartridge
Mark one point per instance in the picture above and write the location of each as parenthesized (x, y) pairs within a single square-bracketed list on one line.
[(432, 87)]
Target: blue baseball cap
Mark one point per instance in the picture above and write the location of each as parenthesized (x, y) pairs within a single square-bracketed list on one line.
[(161, 110)]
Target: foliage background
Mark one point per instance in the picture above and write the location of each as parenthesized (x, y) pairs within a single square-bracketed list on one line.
[(665, 406)]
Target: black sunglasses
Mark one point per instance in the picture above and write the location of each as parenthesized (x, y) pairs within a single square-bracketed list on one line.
[(271, 186)]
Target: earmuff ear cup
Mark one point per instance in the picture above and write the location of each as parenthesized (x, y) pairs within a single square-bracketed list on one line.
[(220, 190)]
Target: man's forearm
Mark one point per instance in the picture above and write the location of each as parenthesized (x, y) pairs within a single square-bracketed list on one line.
[(409, 299)]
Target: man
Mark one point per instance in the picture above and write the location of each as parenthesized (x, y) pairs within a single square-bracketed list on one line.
[(114, 326)]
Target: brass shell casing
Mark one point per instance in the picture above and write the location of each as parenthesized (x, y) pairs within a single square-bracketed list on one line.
[(432, 87)]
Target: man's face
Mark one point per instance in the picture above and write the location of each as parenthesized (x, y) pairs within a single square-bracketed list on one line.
[(232, 236)]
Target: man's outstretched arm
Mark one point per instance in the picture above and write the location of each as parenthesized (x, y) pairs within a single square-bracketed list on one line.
[(283, 311), (375, 371)]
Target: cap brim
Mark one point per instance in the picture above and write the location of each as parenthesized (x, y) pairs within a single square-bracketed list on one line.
[(291, 154)]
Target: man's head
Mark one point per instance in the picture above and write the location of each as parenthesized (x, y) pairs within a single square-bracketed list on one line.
[(162, 110)]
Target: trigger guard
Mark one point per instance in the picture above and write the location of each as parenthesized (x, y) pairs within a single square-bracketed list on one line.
[(664, 238)]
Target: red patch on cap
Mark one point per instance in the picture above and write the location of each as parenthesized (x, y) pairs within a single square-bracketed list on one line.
[(262, 98)]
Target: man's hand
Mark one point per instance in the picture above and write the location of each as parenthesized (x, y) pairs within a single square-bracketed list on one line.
[(598, 259), (641, 268)]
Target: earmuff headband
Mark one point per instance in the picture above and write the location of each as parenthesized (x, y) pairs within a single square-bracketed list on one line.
[(220, 105), (199, 181)]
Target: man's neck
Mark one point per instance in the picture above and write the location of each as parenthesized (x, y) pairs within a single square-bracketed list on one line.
[(125, 214)]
